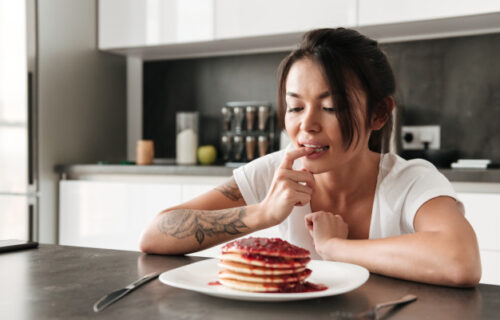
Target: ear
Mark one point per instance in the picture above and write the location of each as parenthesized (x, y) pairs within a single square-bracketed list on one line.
[(383, 113)]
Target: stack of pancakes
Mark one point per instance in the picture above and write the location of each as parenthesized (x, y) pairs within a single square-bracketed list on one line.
[(263, 265)]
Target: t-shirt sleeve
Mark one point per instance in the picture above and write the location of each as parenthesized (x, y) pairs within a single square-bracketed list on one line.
[(430, 184), (254, 179)]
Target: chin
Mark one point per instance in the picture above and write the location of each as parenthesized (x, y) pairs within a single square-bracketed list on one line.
[(314, 168)]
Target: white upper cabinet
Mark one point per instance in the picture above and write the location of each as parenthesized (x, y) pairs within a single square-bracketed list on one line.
[(173, 29), (139, 23), (243, 18), (373, 12)]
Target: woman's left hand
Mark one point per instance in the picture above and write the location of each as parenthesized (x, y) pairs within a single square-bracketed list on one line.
[(323, 226)]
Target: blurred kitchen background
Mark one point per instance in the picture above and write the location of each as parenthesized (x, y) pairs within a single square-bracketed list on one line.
[(81, 82)]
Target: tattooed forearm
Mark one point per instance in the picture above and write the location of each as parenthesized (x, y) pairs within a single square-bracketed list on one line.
[(230, 190), (183, 223)]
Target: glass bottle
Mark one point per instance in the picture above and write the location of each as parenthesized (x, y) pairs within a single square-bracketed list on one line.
[(187, 137)]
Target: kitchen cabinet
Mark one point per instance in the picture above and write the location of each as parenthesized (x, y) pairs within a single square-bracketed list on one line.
[(110, 215), (113, 214), (481, 210), (377, 12), (176, 29), (243, 18), (137, 23)]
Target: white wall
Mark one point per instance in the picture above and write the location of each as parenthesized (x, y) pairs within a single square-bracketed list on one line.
[(81, 94)]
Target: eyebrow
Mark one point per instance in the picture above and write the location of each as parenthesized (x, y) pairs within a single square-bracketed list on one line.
[(296, 95)]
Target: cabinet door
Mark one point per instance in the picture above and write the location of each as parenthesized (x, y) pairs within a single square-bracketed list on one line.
[(192, 190), (136, 23), (372, 12), (490, 261), (110, 215), (481, 210), (242, 18)]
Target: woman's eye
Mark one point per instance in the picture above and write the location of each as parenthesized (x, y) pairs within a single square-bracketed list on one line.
[(330, 109), (293, 109)]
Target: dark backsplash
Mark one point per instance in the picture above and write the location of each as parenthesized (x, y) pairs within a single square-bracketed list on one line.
[(452, 82), (204, 85)]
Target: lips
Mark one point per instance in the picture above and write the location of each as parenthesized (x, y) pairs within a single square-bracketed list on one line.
[(316, 147)]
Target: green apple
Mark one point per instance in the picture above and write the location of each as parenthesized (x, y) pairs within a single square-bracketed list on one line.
[(207, 154)]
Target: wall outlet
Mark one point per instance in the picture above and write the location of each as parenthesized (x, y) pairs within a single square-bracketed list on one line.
[(416, 137)]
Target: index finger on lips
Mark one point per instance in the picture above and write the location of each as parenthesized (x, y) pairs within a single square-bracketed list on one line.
[(292, 155)]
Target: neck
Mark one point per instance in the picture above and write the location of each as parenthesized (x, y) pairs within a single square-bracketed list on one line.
[(356, 179)]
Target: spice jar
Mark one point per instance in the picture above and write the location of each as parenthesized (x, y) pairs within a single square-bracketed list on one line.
[(251, 112), (263, 117), (263, 145), (238, 146), (238, 116), (250, 147)]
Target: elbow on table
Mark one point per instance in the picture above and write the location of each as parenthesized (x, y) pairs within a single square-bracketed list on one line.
[(145, 244), (154, 244), (465, 274), (150, 240)]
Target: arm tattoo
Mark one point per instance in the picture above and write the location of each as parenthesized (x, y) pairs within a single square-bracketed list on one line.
[(183, 223), (230, 190)]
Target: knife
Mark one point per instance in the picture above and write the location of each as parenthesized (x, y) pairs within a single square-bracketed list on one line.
[(118, 294)]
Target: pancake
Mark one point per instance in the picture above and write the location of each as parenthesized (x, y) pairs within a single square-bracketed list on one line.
[(287, 278), (250, 269), (265, 265), (267, 247), (266, 261), (254, 286)]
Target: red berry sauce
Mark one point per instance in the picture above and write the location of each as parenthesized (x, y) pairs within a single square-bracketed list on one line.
[(271, 246), (275, 259), (303, 287)]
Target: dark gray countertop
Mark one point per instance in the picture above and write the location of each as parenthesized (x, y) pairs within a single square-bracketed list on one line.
[(472, 175), (181, 170), (73, 171), (60, 282)]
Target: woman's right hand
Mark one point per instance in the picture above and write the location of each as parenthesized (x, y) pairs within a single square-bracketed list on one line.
[(289, 188)]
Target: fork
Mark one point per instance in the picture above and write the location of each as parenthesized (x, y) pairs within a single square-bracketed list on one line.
[(372, 312)]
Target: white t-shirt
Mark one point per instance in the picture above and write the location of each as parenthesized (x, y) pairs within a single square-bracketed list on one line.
[(402, 187)]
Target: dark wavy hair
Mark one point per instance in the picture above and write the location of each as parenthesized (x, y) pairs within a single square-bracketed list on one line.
[(342, 53)]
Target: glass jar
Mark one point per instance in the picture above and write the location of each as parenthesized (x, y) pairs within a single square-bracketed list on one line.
[(187, 137)]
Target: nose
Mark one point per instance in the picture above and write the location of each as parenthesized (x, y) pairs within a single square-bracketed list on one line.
[(310, 120)]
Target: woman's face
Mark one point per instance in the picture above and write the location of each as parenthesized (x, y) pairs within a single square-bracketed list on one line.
[(311, 119)]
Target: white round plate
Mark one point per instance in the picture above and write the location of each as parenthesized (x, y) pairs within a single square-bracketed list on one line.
[(339, 277)]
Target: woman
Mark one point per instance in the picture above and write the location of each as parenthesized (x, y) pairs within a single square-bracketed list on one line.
[(333, 191)]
